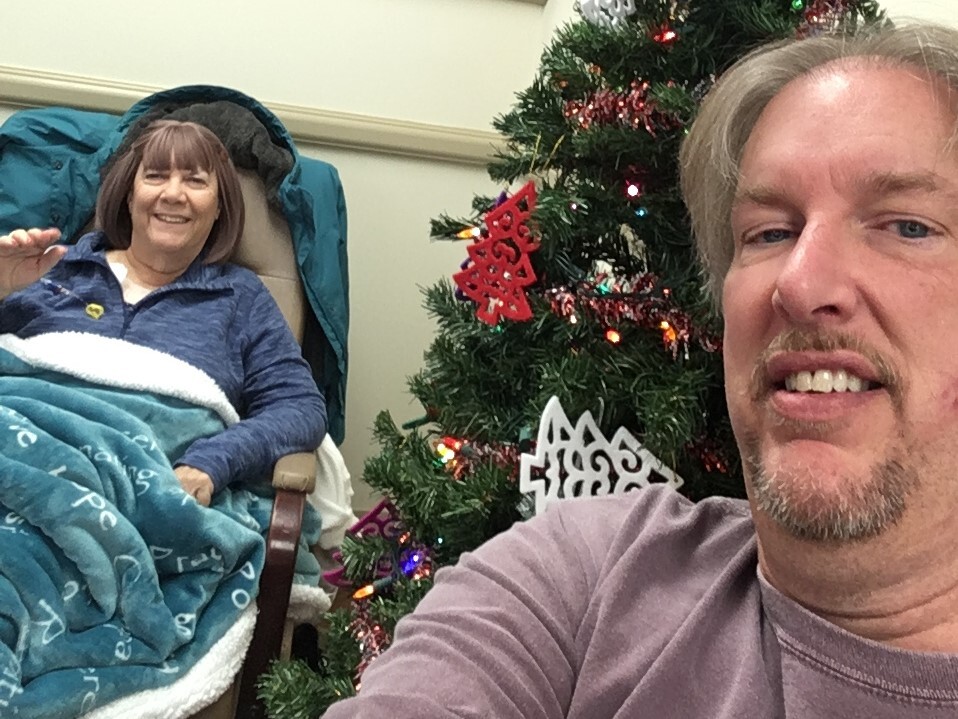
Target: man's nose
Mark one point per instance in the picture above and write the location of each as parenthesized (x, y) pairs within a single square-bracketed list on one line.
[(817, 282)]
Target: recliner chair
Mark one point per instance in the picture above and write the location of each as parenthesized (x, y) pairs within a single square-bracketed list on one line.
[(266, 249)]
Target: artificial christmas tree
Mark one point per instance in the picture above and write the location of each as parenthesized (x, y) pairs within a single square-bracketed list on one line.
[(581, 285)]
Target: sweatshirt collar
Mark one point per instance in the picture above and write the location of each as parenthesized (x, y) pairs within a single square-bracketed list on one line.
[(92, 247)]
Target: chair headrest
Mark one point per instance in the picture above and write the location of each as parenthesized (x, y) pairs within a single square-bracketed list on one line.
[(266, 248)]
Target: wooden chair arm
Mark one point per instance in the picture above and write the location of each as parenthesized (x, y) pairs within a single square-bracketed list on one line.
[(296, 471), (293, 477)]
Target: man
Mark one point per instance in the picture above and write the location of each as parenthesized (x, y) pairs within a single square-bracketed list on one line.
[(822, 179)]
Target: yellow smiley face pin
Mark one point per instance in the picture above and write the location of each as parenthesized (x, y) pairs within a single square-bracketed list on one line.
[(94, 310)]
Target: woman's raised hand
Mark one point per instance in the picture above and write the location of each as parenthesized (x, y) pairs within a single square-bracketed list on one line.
[(27, 255)]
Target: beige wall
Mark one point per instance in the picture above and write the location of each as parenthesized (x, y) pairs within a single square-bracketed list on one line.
[(453, 63), (945, 11), (450, 62), (390, 258)]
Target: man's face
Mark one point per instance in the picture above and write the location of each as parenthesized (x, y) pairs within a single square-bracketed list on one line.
[(841, 304)]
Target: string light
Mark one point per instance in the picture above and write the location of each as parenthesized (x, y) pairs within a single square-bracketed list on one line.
[(412, 563), (447, 449), (470, 233), (372, 588), (613, 336), (668, 332), (422, 572), (364, 592), (445, 453), (665, 36)]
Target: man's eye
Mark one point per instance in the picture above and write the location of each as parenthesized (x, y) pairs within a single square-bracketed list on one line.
[(912, 229), (773, 236)]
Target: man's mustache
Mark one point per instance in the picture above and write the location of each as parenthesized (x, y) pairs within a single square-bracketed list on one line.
[(795, 340)]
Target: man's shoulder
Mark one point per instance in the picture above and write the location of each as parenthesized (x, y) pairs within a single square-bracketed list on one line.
[(658, 509), (653, 552), (655, 530), (605, 536)]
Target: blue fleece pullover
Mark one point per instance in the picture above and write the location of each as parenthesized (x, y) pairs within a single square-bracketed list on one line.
[(219, 318)]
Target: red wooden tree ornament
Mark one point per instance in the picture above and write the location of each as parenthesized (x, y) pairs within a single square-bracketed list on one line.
[(499, 266)]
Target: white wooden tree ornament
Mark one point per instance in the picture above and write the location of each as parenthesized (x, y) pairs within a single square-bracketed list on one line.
[(608, 13), (578, 461)]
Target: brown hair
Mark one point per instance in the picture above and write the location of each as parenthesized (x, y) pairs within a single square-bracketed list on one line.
[(191, 147), (712, 151)]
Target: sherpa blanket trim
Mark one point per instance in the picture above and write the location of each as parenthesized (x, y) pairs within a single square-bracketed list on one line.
[(118, 363), (200, 687)]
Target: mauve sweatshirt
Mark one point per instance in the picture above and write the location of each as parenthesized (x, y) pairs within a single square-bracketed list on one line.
[(645, 605)]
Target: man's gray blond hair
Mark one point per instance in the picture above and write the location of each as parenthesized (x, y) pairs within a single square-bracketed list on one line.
[(712, 151)]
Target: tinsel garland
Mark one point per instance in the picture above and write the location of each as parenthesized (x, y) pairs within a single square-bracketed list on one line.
[(371, 638), (820, 16), (641, 300), (460, 456), (632, 109)]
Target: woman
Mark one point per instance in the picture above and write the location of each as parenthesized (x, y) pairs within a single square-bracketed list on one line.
[(154, 273)]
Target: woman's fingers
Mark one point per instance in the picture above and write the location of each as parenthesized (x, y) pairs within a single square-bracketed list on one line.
[(28, 242), (27, 255), (49, 258)]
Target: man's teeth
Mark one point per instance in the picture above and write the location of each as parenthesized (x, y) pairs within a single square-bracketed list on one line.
[(824, 380)]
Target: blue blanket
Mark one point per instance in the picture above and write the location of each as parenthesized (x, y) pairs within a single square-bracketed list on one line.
[(112, 579)]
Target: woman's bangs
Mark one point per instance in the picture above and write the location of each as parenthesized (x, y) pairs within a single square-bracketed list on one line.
[(180, 146)]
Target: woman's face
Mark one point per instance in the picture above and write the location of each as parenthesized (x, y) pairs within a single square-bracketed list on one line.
[(172, 212)]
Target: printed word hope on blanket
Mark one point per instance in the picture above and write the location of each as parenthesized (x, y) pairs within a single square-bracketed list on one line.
[(112, 579)]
